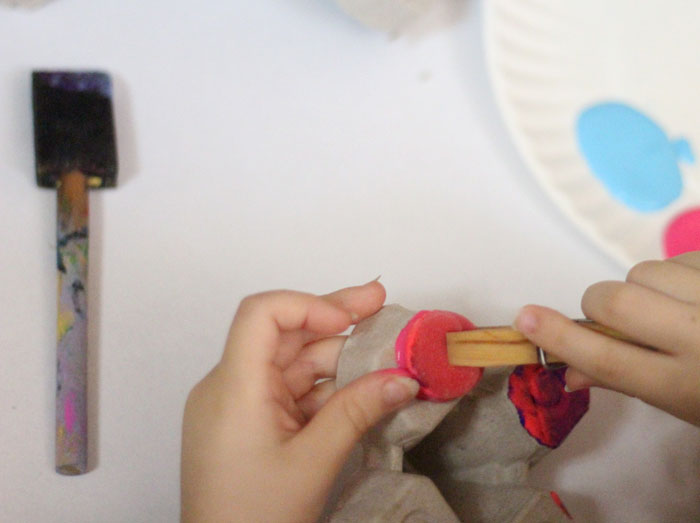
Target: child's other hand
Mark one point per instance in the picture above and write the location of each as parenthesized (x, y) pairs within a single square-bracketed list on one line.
[(261, 440), (659, 306)]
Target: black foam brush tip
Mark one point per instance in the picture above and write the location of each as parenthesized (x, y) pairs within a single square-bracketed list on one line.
[(74, 126)]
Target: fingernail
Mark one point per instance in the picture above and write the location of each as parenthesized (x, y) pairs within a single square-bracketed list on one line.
[(567, 386), (399, 389), (376, 279), (526, 322), (572, 389)]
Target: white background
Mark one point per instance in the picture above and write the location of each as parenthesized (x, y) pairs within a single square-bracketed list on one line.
[(269, 144)]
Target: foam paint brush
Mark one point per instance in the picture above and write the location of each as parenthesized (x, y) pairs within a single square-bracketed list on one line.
[(75, 149)]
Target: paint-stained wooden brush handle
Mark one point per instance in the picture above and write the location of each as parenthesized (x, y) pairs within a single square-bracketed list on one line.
[(71, 353), (502, 346)]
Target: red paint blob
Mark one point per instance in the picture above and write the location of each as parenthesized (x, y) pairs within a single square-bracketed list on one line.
[(546, 410), (683, 233), (421, 349)]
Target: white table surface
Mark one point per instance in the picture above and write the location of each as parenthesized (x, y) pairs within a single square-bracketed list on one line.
[(269, 144)]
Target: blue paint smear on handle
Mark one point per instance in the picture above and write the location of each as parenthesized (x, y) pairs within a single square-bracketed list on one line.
[(632, 156)]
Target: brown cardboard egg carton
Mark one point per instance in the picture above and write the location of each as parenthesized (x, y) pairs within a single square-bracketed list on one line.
[(30, 4), (464, 460)]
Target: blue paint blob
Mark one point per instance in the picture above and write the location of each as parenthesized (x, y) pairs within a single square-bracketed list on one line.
[(632, 156)]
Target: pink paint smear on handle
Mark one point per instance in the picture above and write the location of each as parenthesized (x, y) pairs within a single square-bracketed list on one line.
[(683, 233), (69, 412)]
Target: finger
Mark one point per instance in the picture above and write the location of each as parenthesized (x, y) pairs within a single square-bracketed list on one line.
[(649, 317), (612, 363), (316, 398), (330, 436), (675, 279), (315, 361), (255, 335), (691, 259), (289, 415), (360, 302), (577, 380)]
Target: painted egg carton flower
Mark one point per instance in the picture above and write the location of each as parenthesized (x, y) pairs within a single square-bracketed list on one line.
[(465, 445)]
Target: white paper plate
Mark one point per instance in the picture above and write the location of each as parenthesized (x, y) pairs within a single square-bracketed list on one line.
[(551, 59)]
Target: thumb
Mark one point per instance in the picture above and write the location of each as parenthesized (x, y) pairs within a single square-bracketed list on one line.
[(350, 412)]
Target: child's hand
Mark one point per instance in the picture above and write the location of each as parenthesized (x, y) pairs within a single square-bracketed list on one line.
[(261, 441), (658, 306)]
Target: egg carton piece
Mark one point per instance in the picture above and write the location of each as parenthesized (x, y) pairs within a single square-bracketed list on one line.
[(461, 460), (387, 15)]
